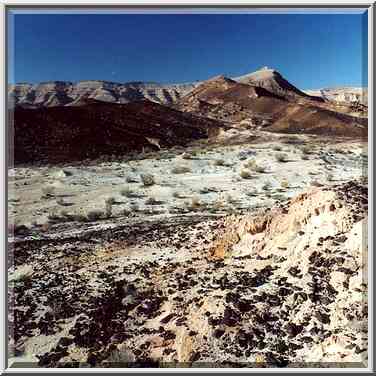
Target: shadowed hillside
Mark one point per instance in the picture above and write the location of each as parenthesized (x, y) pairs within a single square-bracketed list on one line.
[(60, 134)]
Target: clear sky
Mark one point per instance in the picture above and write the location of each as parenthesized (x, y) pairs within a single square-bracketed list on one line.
[(310, 50)]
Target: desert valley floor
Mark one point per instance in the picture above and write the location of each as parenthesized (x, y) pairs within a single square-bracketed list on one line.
[(248, 251)]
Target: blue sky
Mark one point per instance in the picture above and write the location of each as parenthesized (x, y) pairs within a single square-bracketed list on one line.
[(310, 50)]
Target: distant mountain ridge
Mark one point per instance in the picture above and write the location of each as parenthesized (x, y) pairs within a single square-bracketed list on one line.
[(342, 94), (61, 93), (65, 93)]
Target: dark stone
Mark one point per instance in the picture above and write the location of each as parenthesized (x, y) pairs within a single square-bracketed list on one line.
[(323, 317), (293, 330), (218, 333), (281, 347), (168, 351), (167, 318), (273, 300), (294, 271), (244, 306), (168, 334), (306, 339), (276, 361), (230, 317), (195, 356)]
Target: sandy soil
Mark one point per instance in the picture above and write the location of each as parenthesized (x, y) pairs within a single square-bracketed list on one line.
[(193, 277), (212, 181)]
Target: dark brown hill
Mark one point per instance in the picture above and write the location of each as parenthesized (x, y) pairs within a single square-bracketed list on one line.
[(225, 99), (63, 134), (317, 120)]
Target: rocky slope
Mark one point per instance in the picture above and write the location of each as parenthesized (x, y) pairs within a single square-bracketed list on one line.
[(318, 120), (60, 93), (285, 286), (275, 83), (253, 106), (61, 134), (223, 98)]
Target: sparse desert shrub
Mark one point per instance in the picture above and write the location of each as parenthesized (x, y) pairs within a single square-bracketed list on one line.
[(134, 207), (279, 197), (330, 177), (110, 200), (67, 172), (108, 208), (60, 201), (293, 141), (229, 198), (95, 214), (252, 193), (219, 162), (79, 216), (48, 191), (277, 148), (260, 169), (180, 170), (218, 204), (339, 151), (230, 210), (281, 157), (195, 203), (244, 154), (316, 183), (267, 186), (245, 174), (177, 210), (363, 155), (127, 192), (306, 150), (130, 179), (54, 216), (285, 183), (253, 166), (177, 194), (186, 155), (64, 214), (125, 212), (153, 201), (205, 190), (147, 179), (251, 163)]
